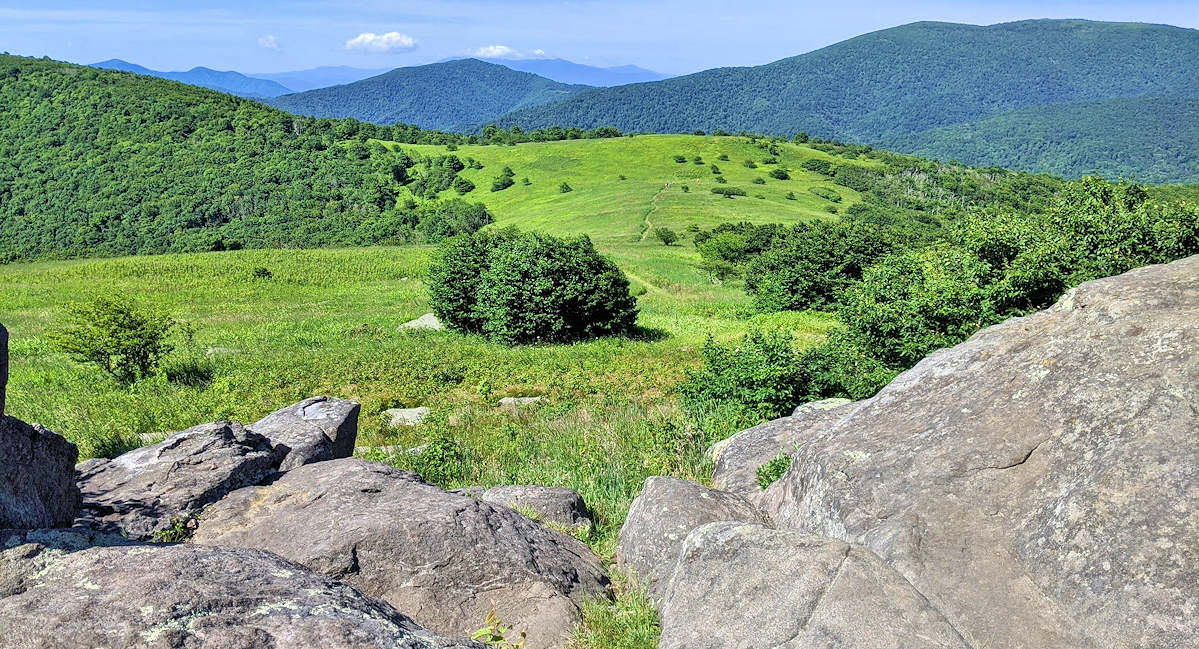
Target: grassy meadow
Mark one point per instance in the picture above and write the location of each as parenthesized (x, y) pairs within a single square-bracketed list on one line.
[(326, 322)]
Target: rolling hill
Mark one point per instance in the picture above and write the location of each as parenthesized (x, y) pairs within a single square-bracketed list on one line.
[(1150, 139), (885, 86), (98, 162), (234, 83), (453, 96)]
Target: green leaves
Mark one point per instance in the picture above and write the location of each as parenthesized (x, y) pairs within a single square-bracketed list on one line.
[(114, 333), (520, 288)]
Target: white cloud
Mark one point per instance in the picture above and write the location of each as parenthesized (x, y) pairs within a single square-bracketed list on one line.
[(381, 43), (269, 42), (505, 52)]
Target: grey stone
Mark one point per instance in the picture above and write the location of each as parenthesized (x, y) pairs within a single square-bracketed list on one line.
[(147, 490), (737, 458), (514, 404), (1039, 483), (660, 519), (314, 430), (747, 586), (443, 558), (427, 321), (55, 592), (397, 417), (555, 505), (37, 476), (3, 367)]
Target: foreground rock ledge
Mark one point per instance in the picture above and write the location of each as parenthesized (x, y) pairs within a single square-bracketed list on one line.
[(148, 490), (751, 587), (53, 594), (445, 559), (37, 476), (660, 519), (1039, 483)]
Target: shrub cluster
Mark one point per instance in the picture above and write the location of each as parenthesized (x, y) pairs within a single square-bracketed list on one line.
[(516, 287)]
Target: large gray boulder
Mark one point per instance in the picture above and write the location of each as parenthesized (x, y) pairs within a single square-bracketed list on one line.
[(751, 587), (737, 458), (57, 592), (556, 506), (150, 489), (1039, 483), (313, 430), (660, 519), (445, 559), (37, 476)]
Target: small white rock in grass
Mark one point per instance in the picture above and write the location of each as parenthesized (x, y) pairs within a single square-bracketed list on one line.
[(512, 404), (406, 416), (427, 321)]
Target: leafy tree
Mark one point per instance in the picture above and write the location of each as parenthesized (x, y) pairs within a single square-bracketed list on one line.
[(759, 181), (501, 183), (666, 235), (780, 174), (463, 186), (680, 158), (112, 332), (519, 288), (750, 381), (715, 170), (728, 192), (565, 188)]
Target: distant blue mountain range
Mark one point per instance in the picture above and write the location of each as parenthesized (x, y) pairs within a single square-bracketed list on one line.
[(234, 83), (570, 72)]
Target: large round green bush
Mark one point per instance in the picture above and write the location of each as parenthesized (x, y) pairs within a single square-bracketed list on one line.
[(516, 287)]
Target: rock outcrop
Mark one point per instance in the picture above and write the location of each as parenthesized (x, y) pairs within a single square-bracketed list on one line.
[(150, 489), (445, 559), (313, 430), (662, 516), (37, 476), (553, 505), (737, 458), (3, 367), (751, 587), (1039, 483), (54, 592)]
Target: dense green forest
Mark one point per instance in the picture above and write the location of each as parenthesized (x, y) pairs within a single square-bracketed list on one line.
[(455, 96), (1147, 138), (906, 80), (94, 162)]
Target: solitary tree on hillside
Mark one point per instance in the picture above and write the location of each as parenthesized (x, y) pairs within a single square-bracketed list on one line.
[(666, 235)]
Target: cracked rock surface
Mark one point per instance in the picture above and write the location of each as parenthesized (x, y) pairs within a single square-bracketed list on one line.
[(792, 589), (1039, 483), (58, 590), (445, 559)]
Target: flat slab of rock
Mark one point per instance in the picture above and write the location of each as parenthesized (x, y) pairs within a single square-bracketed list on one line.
[(397, 417), (145, 491), (37, 476), (54, 593), (445, 559), (1039, 483), (751, 587), (662, 516), (427, 321), (514, 404), (737, 458), (314, 430), (557, 505)]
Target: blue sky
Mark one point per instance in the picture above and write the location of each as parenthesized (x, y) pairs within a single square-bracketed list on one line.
[(674, 36)]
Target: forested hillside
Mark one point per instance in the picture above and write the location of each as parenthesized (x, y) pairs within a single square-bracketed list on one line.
[(453, 96), (94, 162), (1148, 138), (892, 84)]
